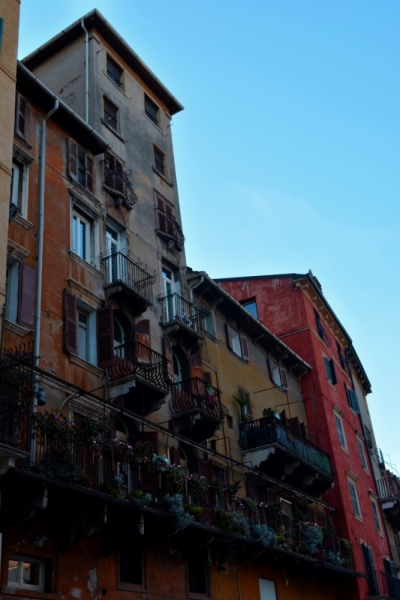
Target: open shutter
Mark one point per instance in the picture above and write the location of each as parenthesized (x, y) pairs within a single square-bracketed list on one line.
[(72, 159), (268, 361), (168, 355), (105, 337), (175, 457), (368, 437), (327, 368), (333, 372), (284, 380), (196, 366), (228, 336), (26, 300), (142, 332), (70, 341), (89, 173), (245, 348)]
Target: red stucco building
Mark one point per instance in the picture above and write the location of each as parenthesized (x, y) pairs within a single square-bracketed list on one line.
[(294, 308)]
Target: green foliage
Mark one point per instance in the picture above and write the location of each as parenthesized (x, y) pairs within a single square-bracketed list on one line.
[(311, 538), (60, 468), (224, 521), (174, 504), (197, 484), (140, 498), (334, 558), (263, 534), (194, 510), (173, 480)]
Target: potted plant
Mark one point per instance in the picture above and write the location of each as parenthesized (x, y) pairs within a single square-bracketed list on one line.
[(243, 401), (197, 484), (173, 480), (195, 510), (143, 451), (232, 489), (140, 498), (160, 463), (311, 538)]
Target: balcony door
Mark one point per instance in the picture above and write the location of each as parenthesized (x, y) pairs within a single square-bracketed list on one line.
[(171, 287), (115, 244)]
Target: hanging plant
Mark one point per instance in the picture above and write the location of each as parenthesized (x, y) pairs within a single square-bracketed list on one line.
[(243, 401), (195, 510), (117, 448), (247, 504), (263, 534), (143, 451), (232, 489), (173, 480), (311, 538), (140, 498), (160, 463), (174, 504), (197, 484)]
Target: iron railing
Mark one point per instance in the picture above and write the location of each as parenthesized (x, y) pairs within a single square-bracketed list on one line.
[(121, 268), (193, 394), (135, 358), (395, 552), (389, 585), (166, 223), (389, 487), (16, 393), (268, 430), (119, 181), (175, 308)]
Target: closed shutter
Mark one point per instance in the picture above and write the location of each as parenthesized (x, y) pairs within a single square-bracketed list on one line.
[(89, 173), (284, 380), (228, 336), (352, 399), (72, 159), (370, 569), (196, 366), (26, 300), (168, 355), (70, 338), (368, 437), (142, 332), (105, 337), (245, 348), (174, 456)]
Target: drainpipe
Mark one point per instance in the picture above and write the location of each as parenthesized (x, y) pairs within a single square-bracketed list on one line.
[(86, 71), (42, 168)]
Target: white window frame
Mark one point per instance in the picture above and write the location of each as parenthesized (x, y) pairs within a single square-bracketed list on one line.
[(340, 430), (12, 291), (20, 584), (209, 319), (76, 244), (91, 348), (375, 513), (363, 458), (354, 499), (267, 589), (19, 190)]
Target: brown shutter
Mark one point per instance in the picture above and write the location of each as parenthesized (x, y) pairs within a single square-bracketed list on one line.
[(284, 379), (174, 456), (89, 173), (70, 341), (245, 348), (196, 366), (21, 117), (142, 332), (26, 299), (150, 436), (168, 355), (271, 495), (105, 337), (228, 336), (72, 159), (205, 469)]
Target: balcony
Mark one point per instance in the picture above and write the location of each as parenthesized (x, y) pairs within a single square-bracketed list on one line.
[(389, 495), (280, 451), (389, 586), (16, 393), (148, 369), (197, 411), (130, 279), (169, 229), (117, 183), (181, 317)]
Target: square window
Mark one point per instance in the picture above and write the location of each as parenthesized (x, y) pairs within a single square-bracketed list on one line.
[(354, 498), (110, 113), (339, 427), (151, 110), (114, 71), (159, 161), (26, 573)]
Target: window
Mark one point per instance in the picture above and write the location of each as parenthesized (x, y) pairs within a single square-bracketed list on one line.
[(342, 359), (362, 453), (83, 334), (160, 161), (370, 569), (208, 322), (151, 110), (368, 438), (114, 71), (20, 293), (375, 512), (19, 181), (229, 422), (197, 574), (354, 498), (110, 113), (81, 232), (27, 573), (339, 427), (237, 343), (21, 117), (267, 589), (251, 306), (330, 370), (278, 375), (131, 564), (79, 328), (352, 399), (165, 216), (80, 166)]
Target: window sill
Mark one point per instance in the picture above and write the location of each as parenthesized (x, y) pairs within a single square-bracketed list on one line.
[(12, 591), (85, 264), (211, 336), (345, 449), (84, 196), (162, 176), (240, 358), (119, 87), (115, 132), (88, 366), (15, 328), (23, 222), (23, 140), (359, 518), (154, 124)]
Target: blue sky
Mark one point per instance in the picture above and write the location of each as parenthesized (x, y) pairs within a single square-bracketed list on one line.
[(288, 149)]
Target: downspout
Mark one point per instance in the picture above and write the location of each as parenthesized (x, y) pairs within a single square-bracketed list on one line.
[(86, 71), (42, 167)]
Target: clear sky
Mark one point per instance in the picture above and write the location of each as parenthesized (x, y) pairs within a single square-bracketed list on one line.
[(288, 149)]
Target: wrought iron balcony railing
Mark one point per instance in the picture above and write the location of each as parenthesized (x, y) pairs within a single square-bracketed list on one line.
[(194, 394), (389, 585), (16, 392), (395, 552), (167, 224), (118, 182), (388, 488), (134, 358), (120, 268), (268, 431), (175, 308)]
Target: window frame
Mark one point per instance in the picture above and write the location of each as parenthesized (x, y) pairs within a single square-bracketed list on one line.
[(135, 587), (249, 302), (149, 101), (354, 498), (235, 340), (22, 160), (21, 132), (76, 245), (330, 370), (340, 430), (361, 451), (199, 595), (119, 82), (375, 513), (106, 120), (164, 171), (77, 155), (24, 586)]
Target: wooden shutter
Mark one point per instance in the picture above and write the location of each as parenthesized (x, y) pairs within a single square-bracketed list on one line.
[(70, 337), (196, 366), (150, 436), (228, 336), (205, 469), (284, 379), (327, 368), (105, 337), (271, 495), (161, 215), (245, 348), (333, 372), (168, 355), (21, 116), (26, 299), (175, 457), (72, 159), (89, 173), (370, 568), (142, 332)]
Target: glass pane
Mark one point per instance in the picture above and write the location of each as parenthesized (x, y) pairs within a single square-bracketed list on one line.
[(82, 239), (74, 235), (251, 307), (12, 571), (81, 167), (30, 573)]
